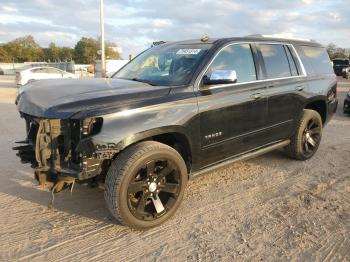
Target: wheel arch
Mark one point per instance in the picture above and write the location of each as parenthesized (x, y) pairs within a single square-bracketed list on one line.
[(174, 136), (319, 105)]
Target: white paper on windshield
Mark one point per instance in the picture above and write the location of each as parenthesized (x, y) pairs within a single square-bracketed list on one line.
[(188, 51)]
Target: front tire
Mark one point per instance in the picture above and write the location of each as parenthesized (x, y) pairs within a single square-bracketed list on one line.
[(145, 184), (307, 136)]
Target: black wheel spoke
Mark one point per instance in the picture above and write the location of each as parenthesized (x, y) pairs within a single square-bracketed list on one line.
[(150, 166), (311, 124), (315, 131), (306, 146), (166, 170), (142, 203), (135, 187), (311, 137), (154, 188), (169, 187)]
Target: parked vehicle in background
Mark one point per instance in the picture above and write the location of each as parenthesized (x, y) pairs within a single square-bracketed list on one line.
[(346, 72), (1, 71), (339, 64), (346, 107), (174, 112), (39, 73), (112, 66), (91, 69)]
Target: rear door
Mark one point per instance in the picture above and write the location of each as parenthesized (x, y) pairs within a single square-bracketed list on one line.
[(285, 81), (232, 116)]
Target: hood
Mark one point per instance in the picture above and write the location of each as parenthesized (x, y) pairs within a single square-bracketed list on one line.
[(80, 98)]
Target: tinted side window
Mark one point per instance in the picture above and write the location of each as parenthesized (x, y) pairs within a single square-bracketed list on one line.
[(316, 60), (235, 57), (39, 70), (293, 67), (275, 60), (53, 71)]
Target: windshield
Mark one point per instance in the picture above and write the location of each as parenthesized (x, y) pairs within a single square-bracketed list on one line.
[(168, 65)]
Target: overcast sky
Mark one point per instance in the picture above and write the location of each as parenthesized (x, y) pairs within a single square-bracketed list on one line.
[(135, 24)]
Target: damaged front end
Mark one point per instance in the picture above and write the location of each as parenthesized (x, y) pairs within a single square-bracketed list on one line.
[(51, 147)]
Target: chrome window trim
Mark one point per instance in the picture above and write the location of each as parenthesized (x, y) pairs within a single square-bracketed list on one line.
[(256, 81), (299, 59), (304, 74)]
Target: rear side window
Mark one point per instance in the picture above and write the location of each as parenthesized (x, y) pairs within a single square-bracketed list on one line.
[(293, 67), (53, 71), (315, 60), (39, 70), (275, 60), (236, 57)]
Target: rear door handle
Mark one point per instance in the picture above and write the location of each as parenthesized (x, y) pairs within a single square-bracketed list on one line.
[(256, 96)]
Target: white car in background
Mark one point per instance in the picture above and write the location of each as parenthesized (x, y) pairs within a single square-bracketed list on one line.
[(36, 73)]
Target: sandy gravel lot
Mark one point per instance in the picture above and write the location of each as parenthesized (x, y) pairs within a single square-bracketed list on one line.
[(268, 208)]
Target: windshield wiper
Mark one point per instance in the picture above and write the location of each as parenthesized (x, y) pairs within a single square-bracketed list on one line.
[(143, 81)]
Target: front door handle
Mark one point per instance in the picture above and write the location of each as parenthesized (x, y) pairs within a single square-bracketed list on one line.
[(256, 96)]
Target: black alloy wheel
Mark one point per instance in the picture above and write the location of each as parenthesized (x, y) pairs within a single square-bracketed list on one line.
[(154, 189), (311, 137), (307, 136), (145, 184)]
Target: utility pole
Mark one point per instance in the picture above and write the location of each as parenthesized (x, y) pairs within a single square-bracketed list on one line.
[(102, 25)]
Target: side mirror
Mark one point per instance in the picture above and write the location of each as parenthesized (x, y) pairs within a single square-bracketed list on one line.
[(220, 77)]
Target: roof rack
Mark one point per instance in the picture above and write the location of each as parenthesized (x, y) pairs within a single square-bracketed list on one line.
[(283, 37)]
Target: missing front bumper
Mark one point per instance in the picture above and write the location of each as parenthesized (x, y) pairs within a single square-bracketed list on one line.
[(50, 148)]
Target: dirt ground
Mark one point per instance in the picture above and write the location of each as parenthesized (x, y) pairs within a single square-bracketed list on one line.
[(268, 208)]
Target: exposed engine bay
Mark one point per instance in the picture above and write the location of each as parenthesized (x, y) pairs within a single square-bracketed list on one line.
[(51, 149)]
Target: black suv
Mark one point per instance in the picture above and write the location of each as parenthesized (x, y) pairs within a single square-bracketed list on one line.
[(339, 64), (177, 110)]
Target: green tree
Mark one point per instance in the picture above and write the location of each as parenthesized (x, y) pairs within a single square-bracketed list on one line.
[(337, 52), (65, 54), (111, 51), (57, 54), (52, 53), (85, 51), (24, 49), (4, 56)]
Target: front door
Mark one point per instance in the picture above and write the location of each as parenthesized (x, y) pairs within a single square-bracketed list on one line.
[(232, 116)]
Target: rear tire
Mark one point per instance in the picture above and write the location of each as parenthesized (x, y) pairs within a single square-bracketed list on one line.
[(145, 184), (307, 136)]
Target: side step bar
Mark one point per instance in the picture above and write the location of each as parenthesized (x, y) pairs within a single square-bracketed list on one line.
[(244, 156)]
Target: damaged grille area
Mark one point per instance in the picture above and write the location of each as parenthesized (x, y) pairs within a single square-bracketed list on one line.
[(50, 148)]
